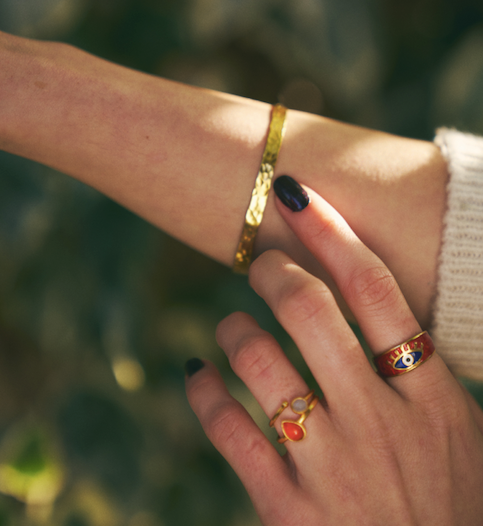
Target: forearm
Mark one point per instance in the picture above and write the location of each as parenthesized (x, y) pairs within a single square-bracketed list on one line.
[(185, 159), (181, 157)]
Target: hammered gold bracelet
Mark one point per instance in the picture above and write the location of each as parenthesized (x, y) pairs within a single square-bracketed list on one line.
[(263, 182)]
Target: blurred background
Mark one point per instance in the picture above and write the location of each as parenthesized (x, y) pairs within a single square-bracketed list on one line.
[(99, 310)]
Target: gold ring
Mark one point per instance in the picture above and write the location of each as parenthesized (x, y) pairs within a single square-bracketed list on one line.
[(294, 430), (406, 356)]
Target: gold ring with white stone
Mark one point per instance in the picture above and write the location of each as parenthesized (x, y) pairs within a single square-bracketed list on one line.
[(294, 430)]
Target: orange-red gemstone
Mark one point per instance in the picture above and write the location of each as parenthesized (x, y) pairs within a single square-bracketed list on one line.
[(293, 431)]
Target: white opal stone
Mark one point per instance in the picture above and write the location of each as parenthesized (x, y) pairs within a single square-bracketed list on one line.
[(299, 405)]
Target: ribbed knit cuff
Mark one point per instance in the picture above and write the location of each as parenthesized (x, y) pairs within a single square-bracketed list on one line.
[(458, 314)]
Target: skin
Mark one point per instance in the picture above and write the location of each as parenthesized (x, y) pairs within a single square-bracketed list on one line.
[(407, 450), (185, 159)]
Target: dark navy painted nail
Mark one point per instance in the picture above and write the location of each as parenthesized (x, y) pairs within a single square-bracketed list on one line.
[(193, 365), (291, 193)]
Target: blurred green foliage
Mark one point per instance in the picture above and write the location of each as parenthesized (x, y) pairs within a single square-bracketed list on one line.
[(99, 310)]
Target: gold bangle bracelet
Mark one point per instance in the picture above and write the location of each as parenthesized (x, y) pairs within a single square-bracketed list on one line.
[(263, 182)]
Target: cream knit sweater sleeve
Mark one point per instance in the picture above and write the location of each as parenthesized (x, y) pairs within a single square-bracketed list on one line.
[(458, 312)]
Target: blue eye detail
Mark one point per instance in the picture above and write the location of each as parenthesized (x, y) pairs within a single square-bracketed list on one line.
[(408, 359)]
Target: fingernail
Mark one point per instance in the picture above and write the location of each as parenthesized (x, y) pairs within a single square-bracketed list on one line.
[(193, 365), (291, 193)]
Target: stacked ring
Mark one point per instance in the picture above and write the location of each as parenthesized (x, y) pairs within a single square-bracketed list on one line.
[(294, 430), (406, 356)]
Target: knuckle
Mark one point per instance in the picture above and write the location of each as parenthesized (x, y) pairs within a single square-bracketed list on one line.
[(253, 356), (374, 288), (197, 387), (224, 424), (319, 231), (304, 302), (444, 410)]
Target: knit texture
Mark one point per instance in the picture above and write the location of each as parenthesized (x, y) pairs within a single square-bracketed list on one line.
[(458, 313)]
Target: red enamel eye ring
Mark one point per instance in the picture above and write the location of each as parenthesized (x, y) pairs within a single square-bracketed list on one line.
[(406, 356)]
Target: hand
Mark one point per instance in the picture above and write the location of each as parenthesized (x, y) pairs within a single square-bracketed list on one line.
[(405, 450)]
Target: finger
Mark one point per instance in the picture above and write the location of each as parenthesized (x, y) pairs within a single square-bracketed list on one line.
[(308, 311), (258, 360), (235, 435), (364, 281), (366, 284)]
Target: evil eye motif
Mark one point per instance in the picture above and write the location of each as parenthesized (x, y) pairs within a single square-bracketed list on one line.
[(408, 359), (405, 356)]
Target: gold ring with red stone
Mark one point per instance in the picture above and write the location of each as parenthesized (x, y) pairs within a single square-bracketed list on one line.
[(294, 430)]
